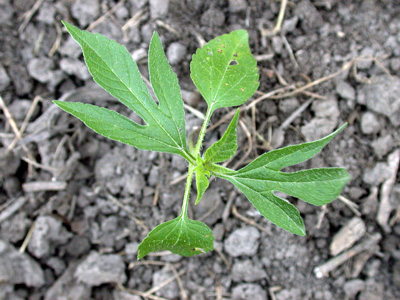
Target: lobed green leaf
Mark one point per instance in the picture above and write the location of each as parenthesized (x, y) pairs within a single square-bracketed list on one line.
[(226, 147), (181, 236), (113, 68), (202, 183), (225, 71), (262, 177)]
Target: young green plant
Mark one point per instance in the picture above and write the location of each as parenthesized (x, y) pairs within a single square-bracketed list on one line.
[(225, 72)]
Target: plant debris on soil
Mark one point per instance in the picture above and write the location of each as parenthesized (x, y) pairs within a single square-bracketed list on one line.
[(74, 206)]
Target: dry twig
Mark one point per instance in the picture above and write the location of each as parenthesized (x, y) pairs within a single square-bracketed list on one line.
[(29, 14), (12, 208), (385, 207), (332, 264), (124, 208), (247, 220), (27, 238), (39, 186), (103, 17)]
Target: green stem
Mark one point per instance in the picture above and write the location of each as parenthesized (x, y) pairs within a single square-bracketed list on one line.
[(186, 196), (189, 157), (195, 153)]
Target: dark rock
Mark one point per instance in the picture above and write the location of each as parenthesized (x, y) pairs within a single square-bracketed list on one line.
[(12, 186), (247, 271), (4, 79), (277, 44), (243, 241), (19, 268), (9, 163), (396, 273), (309, 15), (97, 269), (47, 235), (120, 295), (176, 53), (382, 96), (249, 291), (77, 246), (85, 11), (20, 78)]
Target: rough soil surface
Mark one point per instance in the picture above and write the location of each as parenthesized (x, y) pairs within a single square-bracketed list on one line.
[(74, 206)]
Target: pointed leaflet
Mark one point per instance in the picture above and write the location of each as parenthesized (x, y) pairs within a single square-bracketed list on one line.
[(113, 68), (262, 177), (226, 147), (181, 236), (202, 183), (224, 70)]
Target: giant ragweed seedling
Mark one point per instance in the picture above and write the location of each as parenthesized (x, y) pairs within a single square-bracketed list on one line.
[(226, 74)]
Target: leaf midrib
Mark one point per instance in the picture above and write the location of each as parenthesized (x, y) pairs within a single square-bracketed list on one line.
[(259, 193)]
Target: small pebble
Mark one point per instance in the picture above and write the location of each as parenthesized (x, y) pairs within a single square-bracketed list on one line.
[(243, 241), (383, 145), (97, 269), (370, 123), (353, 287), (345, 90), (176, 53), (236, 6), (159, 9), (85, 11), (248, 291), (377, 174)]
